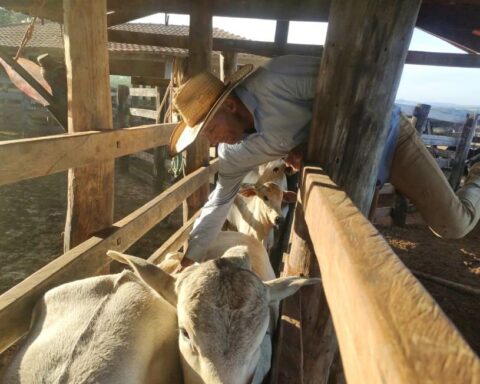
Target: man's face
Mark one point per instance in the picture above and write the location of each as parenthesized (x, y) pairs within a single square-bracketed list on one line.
[(225, 126)]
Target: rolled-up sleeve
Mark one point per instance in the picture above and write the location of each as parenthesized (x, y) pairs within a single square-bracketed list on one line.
[(235, 162)]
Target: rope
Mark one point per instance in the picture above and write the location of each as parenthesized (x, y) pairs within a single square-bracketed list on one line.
[(29, 32)]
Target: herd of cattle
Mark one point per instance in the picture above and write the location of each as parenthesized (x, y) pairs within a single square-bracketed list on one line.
[(211, 323)]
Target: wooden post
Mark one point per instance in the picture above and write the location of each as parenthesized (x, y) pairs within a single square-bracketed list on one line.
[(229, 63), (462, 151), (421, 112), (90, 188), (199, 59), (349, 127), (122, 120), (281, 33), (350, 121), (160, 154)]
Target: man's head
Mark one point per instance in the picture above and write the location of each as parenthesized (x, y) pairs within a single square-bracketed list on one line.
[(230, 122), (204, 98)]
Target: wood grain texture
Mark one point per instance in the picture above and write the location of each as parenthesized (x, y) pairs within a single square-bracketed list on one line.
[(27, 158), (90, 188), (358, 80), (88, 258), (199, 60), (389, 328)]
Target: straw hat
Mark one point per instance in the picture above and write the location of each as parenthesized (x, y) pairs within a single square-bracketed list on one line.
[(197, 101)]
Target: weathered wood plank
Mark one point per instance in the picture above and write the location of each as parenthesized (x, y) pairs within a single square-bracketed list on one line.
[(199, 60), (146, 113), (89, 257), (447, 141), (462, 151), (345, 124), (90, 188), (175, 242), (26, 158), (143, 92), (389, 328)]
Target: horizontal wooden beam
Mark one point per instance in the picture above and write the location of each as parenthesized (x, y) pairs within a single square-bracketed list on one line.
[(121, 11), (143, 92), (89, 257), (389, 328), (443, 59), (145, 113), (175, 242), (447, 141), (269, 49), (26, 158)]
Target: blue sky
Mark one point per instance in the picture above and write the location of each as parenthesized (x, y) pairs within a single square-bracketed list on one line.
[(419, 83)]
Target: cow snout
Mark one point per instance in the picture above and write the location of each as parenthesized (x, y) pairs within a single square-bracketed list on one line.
[(278, 220)]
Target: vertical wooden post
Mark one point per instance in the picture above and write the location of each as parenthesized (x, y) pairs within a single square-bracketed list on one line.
[(281, 32), (229, 63), (90, 188), (350, 124), (350, 121), (122, 120), (421, 112), (462, 151), (199, 59), (160, 173)]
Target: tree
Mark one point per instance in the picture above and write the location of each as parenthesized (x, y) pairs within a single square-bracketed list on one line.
[(8, 17)]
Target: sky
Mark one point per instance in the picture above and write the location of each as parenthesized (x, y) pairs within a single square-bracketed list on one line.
[(419, 83)]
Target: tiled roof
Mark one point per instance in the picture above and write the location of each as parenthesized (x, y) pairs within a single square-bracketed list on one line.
[(50, 35)]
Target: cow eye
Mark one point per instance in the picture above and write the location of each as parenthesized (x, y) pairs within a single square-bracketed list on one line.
[(265, 198), (275, 169), (184, 333)]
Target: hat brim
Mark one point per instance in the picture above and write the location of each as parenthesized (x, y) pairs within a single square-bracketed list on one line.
[(184, 135)]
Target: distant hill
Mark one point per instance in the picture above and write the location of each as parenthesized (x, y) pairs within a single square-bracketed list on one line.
[(448, 112)]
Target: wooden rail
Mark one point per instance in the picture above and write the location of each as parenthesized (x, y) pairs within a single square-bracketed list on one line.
[(27, 158), (175, 241), (89, 257), (389, 328)]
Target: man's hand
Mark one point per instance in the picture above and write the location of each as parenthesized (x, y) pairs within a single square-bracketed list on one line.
[(294, 159), (185, 263)]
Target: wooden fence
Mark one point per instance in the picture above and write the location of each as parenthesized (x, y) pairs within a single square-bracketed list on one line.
[(48, 155), (389, 328)]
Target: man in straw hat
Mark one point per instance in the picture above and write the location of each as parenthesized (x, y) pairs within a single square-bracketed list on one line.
[(262, 115)]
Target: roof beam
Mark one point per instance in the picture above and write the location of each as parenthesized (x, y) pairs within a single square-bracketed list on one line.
[(271, 49)]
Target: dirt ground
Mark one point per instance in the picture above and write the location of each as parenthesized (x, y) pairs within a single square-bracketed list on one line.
[(454, 260), (32, 219)]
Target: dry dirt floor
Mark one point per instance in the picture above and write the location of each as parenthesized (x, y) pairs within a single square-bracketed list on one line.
[(454, 260)]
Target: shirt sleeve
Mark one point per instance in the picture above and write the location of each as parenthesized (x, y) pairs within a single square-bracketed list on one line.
[(235, 162)]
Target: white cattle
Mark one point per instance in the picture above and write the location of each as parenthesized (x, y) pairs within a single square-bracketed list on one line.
[(105, 329), (257, 210), (273, 171), (123, 328), (223, 315)]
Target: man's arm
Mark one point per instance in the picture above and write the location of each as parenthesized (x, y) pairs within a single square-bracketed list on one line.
[(235, 162)]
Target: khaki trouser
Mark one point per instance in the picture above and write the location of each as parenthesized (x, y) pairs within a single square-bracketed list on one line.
[(415, 174)]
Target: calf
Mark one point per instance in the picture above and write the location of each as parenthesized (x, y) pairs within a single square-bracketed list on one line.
[(223, 315), (257, 210)]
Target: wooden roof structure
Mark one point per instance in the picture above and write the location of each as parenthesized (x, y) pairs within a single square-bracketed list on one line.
[(389, 329), (455, 21)]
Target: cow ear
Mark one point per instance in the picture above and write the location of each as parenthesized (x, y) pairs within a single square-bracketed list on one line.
[(286, 286), (289, 197), (248, 191), (156, 278)]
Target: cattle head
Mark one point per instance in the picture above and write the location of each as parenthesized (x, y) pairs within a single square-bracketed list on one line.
[(272, 171), (270, 197), (223, 314)]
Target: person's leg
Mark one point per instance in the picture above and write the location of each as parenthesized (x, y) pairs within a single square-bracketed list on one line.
[(415, 174)]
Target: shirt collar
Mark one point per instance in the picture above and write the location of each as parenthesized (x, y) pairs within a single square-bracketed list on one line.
[(249, 100)]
